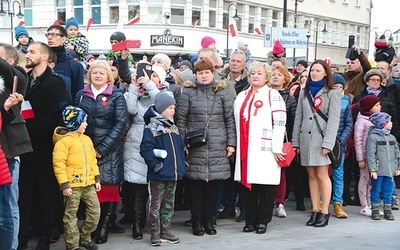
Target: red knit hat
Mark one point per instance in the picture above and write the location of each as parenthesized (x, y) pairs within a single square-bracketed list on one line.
[(206, 41), (368, 102), (278, 47), (381, 41)]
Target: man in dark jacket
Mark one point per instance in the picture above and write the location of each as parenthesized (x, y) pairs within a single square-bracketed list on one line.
[(14, 135), (66, 65), (44, 95)]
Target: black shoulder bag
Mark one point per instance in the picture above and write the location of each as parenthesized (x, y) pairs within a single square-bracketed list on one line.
[(198, 138), (336, 153)]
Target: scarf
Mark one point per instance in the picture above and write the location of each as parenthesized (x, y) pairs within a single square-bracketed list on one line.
[(396, 79), (374, 92), (315, 87), (244, 117), (383, 131)]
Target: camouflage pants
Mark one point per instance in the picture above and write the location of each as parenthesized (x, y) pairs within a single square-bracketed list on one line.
[(72, 234), (162, 199)]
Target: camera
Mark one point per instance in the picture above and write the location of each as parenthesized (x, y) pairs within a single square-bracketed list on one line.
[(167, 15)]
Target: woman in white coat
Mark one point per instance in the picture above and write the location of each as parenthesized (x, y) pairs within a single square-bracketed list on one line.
[(260, 116)]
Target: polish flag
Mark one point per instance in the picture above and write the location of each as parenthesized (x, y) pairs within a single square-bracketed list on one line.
[(21, 23), (26, 110), (89, 23), (258, 31), (233, 29), (195, 23), (133, 20), (56, 22)]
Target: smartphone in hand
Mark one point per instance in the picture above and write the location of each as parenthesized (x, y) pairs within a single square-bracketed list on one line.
[(15, 84), (143, 66)]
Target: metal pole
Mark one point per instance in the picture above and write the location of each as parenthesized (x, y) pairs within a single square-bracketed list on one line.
[(227, 34), (284, 13), (308, 40), (12, 27), (295, 26), (316, 42)]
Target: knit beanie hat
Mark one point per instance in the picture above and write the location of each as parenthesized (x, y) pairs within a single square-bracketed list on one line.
[(278, 47), (380, 119), (188, 75), (163, 100), (118, 35), (180, 59), (381, 41), (302, 62), (72, 22), (368, 102), (207, 41), (73, 117), (242, 43), (89, 57), (163, 57), (187, 63), (20, 31), (373, 72), (338, 79), (160, 72)]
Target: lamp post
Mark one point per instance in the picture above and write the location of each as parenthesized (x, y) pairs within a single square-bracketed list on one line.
[(324, 31), (308, 35), (296, 2), (236, 18), (11, 14)]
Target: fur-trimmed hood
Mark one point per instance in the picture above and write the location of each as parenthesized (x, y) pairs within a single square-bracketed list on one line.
[(225, 72), (216, 85), (1, 84)]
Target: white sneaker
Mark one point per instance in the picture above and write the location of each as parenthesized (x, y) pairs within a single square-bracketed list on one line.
[(280, 211), (366, 211)]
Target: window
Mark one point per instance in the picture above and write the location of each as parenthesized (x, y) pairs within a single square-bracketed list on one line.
[(212, 14), (96, 11), (263, 19), (232, 11), (252, 13), (358, 4), (28, 13), (78, 10), (60, 8), (178, 15), (114, 14), (133, 11), (345, 1), (274, 18), (154, 15), (333, 33), (196, 15)]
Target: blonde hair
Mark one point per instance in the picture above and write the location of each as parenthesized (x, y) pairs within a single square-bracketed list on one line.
[(265, 66), (102, 64)]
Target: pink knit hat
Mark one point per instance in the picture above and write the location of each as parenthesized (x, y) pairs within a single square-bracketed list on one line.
[(278, 47), (206, 41)]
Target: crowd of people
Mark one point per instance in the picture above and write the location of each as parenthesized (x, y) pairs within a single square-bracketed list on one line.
[(82, 135)]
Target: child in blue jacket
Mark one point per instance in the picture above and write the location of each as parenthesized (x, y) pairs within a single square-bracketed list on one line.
[(163, 170)]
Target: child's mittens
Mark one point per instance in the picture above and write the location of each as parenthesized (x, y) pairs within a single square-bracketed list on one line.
[(158, 167)]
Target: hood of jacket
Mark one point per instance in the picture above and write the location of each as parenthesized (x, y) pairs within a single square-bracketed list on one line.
[(59, 133), (216, 85)]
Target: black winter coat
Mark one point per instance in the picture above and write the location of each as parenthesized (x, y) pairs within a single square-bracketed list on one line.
[(291, 106), (106, 120)]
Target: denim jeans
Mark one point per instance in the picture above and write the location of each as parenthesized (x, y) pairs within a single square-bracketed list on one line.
[(338, 182), (6, 222), (383, 185), (14, 164)]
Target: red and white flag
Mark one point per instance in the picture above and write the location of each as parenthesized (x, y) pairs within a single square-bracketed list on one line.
[(56, 22), (195, 23), (258, 31), (133, 20), (26, 110), (21, 23), (89, 23), (233, 29)]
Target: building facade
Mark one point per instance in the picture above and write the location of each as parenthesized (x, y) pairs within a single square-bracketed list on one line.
[(176, 18)]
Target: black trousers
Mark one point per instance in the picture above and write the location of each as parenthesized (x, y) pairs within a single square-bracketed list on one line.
[(37, 185), (203, 199), (259, 203)]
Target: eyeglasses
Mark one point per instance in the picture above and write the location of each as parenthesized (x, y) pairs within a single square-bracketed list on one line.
[(53, 35), (374, 79)]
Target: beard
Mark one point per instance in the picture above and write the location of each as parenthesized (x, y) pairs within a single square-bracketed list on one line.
[(31, 64)]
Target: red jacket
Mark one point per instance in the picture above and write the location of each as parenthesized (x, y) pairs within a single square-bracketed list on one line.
[(5, 176)]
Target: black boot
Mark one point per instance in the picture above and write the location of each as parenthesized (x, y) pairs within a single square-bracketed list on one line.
[(112, 226), (138, 211), (322, 220), (128, 216), (101, 233)]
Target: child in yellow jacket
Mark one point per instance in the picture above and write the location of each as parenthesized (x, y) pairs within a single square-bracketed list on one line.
[(77, 173)]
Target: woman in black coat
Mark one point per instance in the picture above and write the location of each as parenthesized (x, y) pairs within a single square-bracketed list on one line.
[(106, 108)]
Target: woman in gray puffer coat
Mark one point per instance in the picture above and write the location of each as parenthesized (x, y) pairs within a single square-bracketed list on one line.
[(206, 100)]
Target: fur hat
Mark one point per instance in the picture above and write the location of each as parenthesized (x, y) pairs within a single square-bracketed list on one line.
[(338, 79), (72, 22), (20, 31), (163, 57), (73, 117), (163, 100), (118, 35), (160, 72), (242, 43), (373, 72), (206, 41), (187, 63), (380, 119), (381, 41), (278, 47), (368, 102)]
